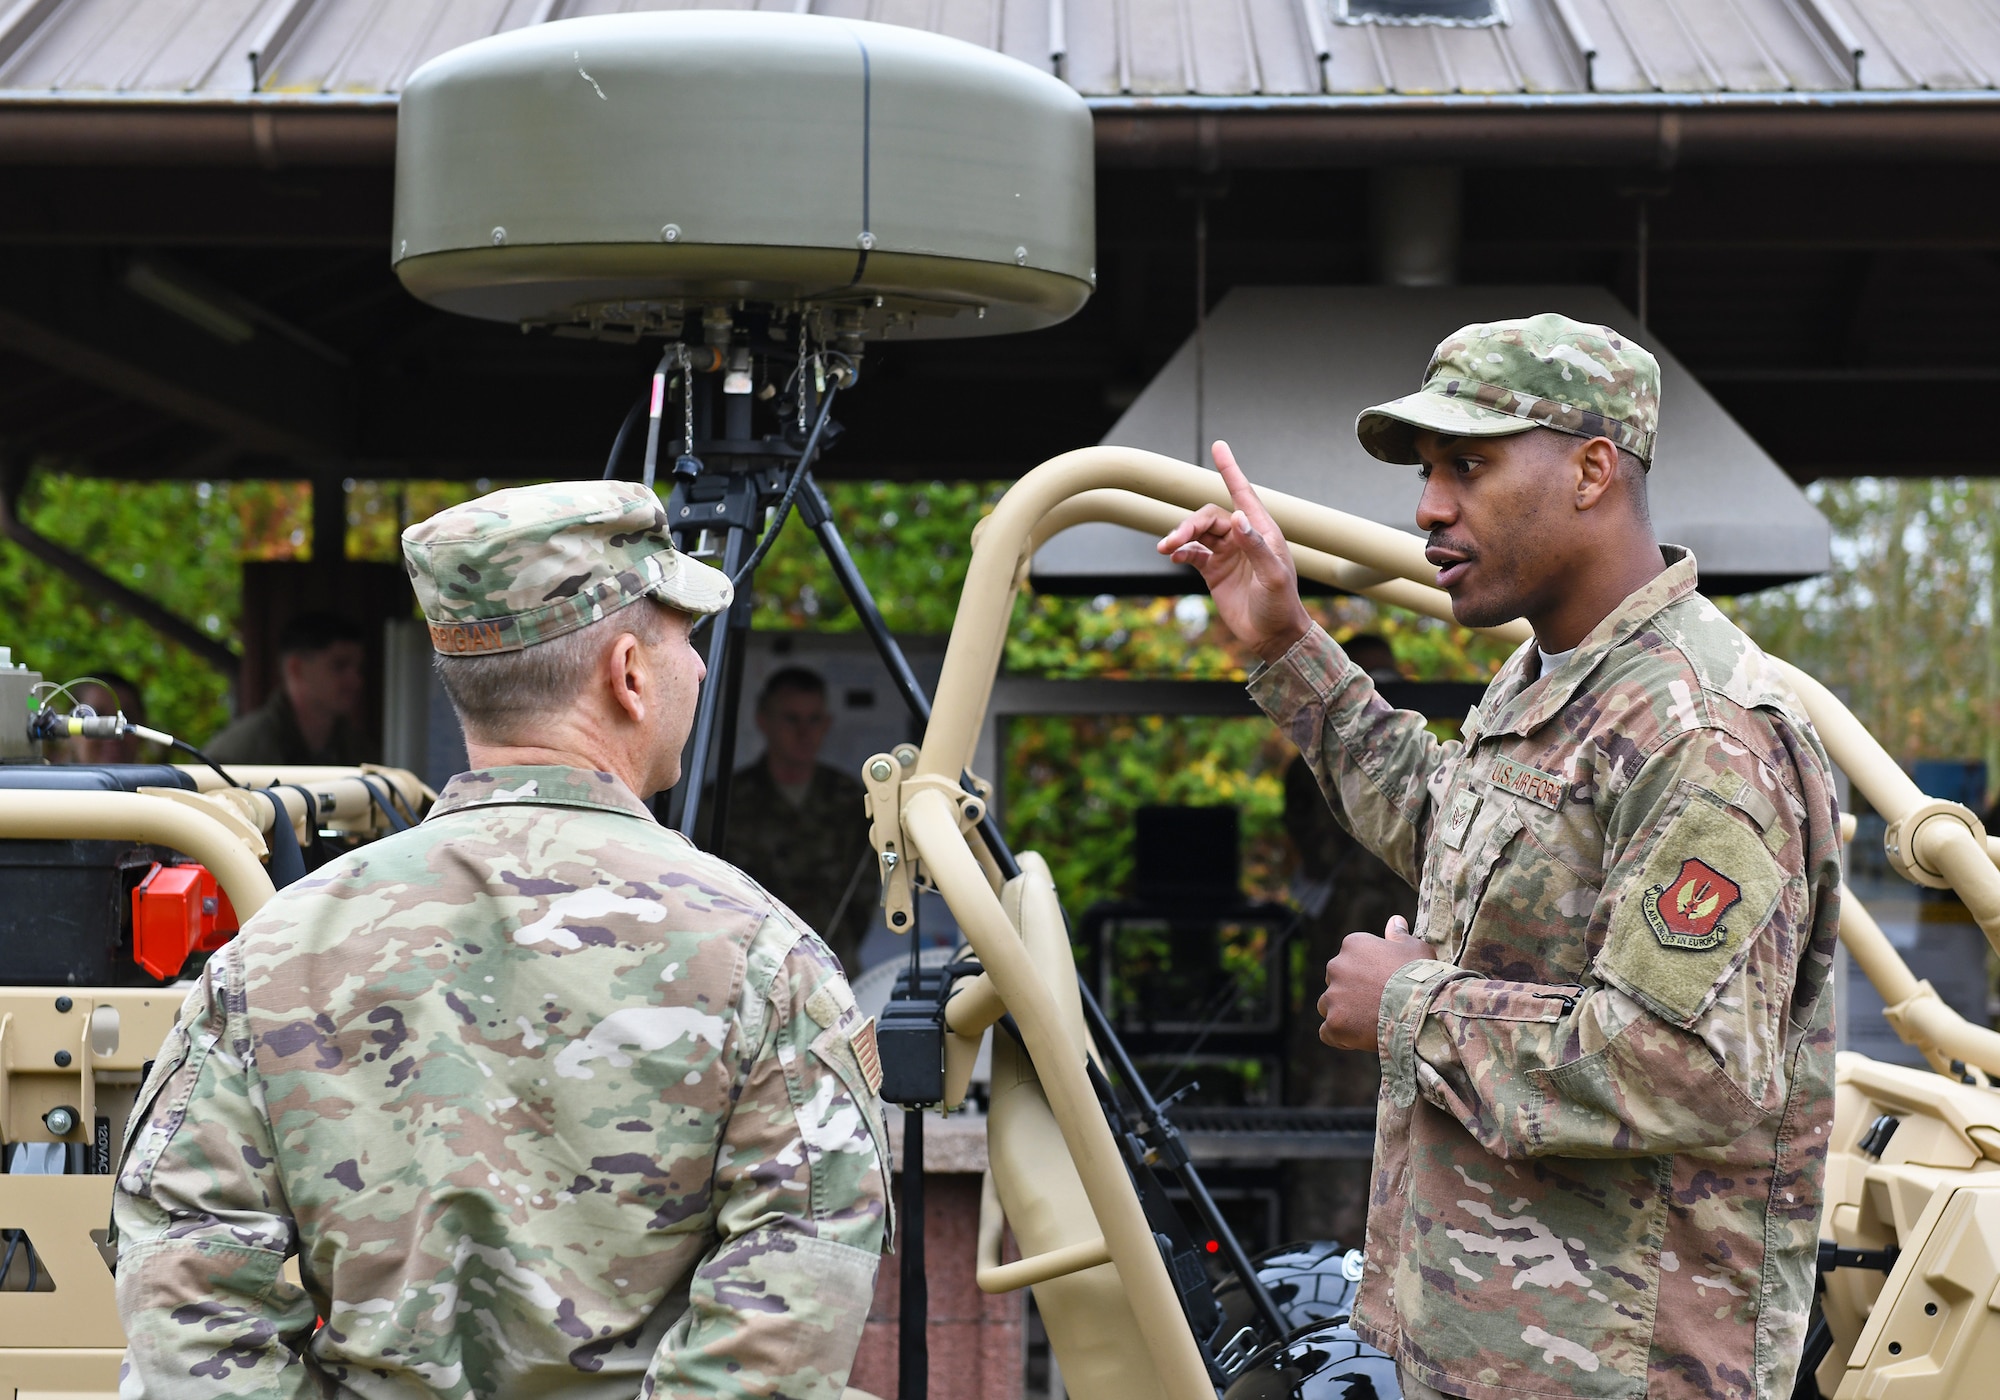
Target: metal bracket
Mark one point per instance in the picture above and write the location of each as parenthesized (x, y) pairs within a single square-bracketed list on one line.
[(968, 808), (1900, 840), (1835, 1256), (882, 775)]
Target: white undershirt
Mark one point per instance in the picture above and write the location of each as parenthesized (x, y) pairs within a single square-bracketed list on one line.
[(1553, 659)]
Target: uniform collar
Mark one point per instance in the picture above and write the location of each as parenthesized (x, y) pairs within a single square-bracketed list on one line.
[(534, 785), (1516, 704)]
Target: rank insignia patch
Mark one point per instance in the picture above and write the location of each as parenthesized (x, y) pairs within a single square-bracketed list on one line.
[(1687, 911), (1458, 817), (866, 1054)]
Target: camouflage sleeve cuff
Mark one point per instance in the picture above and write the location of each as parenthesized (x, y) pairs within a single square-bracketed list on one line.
[(1313, 670), (1406, 1001)]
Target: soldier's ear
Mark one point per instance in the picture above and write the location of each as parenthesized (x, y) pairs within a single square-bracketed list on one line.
[(626, 675), (1595, 463)]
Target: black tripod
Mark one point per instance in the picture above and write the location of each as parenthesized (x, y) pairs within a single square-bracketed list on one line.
[(725, 484)]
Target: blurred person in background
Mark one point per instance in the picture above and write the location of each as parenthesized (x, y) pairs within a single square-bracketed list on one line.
[(799, 826), (107, 693), (313, 715)]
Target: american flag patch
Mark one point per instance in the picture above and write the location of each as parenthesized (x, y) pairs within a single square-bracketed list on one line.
[(862, 1043)]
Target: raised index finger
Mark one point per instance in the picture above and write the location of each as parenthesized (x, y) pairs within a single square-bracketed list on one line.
[(1243, 494)]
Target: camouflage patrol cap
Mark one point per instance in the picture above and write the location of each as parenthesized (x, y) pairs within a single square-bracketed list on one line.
[(532, 563), (1501, 377)]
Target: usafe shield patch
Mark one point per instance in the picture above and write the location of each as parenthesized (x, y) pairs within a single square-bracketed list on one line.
[(1543, 789), (1708, 886), (1687, 912), (866, 1053)]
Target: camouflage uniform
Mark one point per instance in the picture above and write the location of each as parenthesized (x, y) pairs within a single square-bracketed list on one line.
[(543, 1099), (271, 734), (1605, 1105), (813, 855)]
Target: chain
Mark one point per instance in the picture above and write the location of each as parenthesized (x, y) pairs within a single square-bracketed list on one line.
[(687, 402)]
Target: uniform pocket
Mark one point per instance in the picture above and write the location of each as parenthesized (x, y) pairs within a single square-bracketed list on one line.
[(162, 1105), (1462, 876), (841, 1147), (1498, 1001)]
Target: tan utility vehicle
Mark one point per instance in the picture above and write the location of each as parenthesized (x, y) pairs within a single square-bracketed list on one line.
[(1910, 1253)]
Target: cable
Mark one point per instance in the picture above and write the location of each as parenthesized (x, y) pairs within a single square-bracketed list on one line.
[(171, 742), (632, 416), (85, 723), (791, 490)]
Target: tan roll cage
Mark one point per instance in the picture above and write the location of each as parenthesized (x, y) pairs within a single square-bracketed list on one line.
[(1931, 842)]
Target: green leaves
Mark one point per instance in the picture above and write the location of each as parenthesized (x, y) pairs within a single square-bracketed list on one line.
[(1903, 626)]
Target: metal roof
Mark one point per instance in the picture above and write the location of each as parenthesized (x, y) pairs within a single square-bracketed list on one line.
[(362, 51), (1286, 369)]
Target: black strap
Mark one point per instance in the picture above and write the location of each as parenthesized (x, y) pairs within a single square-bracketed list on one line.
[(314, 845), (288, 861), (378, 789)]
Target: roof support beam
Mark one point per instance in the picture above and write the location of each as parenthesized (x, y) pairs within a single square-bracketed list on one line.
[(68, 311), (265, 47)]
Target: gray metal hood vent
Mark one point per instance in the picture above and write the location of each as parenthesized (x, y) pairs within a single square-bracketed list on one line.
[(1288, 368)]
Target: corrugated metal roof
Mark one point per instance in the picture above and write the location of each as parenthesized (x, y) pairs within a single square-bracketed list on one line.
[(1104, 48)]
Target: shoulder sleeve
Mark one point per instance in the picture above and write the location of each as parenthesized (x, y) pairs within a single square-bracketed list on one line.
[(778, 1305), (1374, 763), (203, 1228)]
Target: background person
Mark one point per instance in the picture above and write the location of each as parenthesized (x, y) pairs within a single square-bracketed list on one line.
[(313, 715), (1607, 1058), (545, 1100), (799, 826)]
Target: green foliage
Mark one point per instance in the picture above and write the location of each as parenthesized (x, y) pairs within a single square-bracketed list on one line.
[(182, 543), (910, 543), (1903, 626), (379, 511), (1072, 783)]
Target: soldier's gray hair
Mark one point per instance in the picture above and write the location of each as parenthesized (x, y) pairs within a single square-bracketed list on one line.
[(497, 694)]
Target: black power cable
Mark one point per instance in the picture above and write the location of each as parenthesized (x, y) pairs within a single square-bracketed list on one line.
[(632, 417)]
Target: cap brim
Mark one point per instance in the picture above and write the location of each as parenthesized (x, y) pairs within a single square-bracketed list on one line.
[(1389, 430), (692, 586)]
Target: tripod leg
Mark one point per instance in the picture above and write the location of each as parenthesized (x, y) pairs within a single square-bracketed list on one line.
[(732, 690), (817, 514), (716, 693)]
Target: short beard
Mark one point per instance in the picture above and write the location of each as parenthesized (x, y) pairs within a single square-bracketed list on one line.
[(1491, 613)]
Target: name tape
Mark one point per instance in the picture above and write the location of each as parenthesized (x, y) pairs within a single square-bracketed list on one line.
[(1543, 789), (458, 638)]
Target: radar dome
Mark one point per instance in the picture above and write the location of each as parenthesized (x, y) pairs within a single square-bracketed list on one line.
[(615, 173)]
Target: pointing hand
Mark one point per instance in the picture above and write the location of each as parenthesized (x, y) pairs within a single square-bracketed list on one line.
[(1241, 555)]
